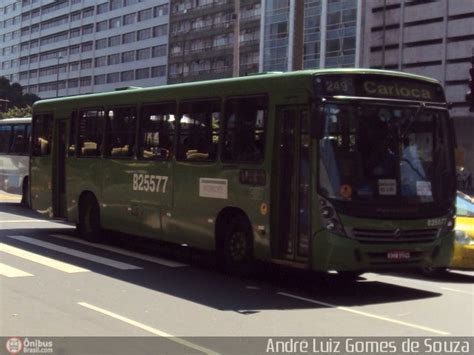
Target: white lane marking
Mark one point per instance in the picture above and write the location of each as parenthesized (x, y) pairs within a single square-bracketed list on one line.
[(369, 315), (459, 291), (76, 253), (149, 329), (152, 259), (24, 221), (55, 264), (10, 271)]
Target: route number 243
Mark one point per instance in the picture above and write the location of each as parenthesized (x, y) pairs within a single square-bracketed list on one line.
[(151, 183)]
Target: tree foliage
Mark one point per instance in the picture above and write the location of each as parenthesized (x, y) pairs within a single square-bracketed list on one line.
[(14, 94), (17, 112)]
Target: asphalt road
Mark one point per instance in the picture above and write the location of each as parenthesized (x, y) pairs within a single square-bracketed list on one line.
[(54, 284)]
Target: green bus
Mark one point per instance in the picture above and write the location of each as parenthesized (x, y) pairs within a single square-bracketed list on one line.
[(349, 170)]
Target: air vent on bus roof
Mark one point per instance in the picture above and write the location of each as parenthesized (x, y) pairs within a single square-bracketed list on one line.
[(127, 88)]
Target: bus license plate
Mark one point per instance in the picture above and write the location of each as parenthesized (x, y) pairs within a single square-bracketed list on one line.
[(398, 255)]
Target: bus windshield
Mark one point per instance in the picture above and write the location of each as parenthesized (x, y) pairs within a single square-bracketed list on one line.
[(385, 153)]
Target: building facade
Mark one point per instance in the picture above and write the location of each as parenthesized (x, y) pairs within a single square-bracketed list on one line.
[(69, 47), (427, 37), (309, 34), (202, 38)]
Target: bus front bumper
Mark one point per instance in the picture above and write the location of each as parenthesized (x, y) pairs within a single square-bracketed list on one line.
[(334, 252)]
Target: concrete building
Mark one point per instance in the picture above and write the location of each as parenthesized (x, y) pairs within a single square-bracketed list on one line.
[(202, 38), (69, 47), (303, 34), (428, 37)]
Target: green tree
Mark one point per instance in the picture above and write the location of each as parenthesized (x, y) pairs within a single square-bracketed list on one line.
[(17, 112), (14, 94)]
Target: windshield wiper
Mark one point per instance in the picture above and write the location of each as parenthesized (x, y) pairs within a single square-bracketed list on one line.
[(418, 113)]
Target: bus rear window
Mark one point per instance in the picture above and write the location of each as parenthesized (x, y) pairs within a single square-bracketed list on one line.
[(244, 129), (19, 144), (5, 138)]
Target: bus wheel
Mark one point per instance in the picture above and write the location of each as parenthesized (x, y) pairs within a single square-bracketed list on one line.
[(25, 193), (89, 219), (349, 276), (238, 247)]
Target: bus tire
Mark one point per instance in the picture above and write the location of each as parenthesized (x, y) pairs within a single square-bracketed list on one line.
[(25, 193), (237, 247), (89, 219)]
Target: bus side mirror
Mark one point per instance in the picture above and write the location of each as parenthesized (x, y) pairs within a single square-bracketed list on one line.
[(317, 122), (459, 157)]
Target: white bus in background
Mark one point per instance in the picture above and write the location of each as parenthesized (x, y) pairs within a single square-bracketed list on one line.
[(14, 155)]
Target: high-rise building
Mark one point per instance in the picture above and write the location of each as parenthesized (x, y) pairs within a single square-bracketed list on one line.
[(304, 34), (427, 37), (202, 39), (69, 47)]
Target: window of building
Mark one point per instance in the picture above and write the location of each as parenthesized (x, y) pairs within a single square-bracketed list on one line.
[(127, 75), (99, 79), (120, 132), (143, 73), (87, 29), (158, 71), (115, 4), (88, 12), (101, 8), (75, 16), (161, 30), (128, 37), (129, 19), (73, 66), (91, 129), (76, 32), (114, 59), (101, 43), (113, 78), (85, 81), (159, 51), (244, 129), (157, 127), (85, 47), (101, 26), (199, 130), (73, 83), (145, 14), (101, 61), (128, 56), (42, 135), (143, 53), (161, 10), (114, 41), (86, 64), (144, 34), (116, 22)]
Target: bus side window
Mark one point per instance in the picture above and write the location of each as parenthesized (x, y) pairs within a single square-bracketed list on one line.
[(71, 149), (19, 143), (91, 131), (157, 127), (244, 129), (5, 133), (120, 131), (199, 130), (42, 134)]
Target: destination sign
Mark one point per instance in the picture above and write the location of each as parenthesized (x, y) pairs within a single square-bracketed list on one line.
[(379, 86)]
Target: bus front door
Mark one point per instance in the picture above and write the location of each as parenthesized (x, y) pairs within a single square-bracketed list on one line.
[(59, 156), (293, 217)]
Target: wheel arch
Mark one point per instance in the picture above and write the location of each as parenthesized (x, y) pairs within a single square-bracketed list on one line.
[(222, 220)]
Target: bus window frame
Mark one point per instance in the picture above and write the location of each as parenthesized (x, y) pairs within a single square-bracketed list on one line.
[(266, 96), (138, 146), (79, 110), (7, 152), (178, 129), (137, 107), (31, 146), (26, 150)]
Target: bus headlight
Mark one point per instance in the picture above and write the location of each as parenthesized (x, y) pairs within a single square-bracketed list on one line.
[(329, 217)]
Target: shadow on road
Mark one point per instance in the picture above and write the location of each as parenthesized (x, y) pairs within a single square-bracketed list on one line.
[(203, 284)]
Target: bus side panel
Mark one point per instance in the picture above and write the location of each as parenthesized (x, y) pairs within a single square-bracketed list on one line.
[(41, 187)]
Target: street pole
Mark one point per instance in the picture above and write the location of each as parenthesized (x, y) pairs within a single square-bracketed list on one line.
[(57, 75), (236, 61)]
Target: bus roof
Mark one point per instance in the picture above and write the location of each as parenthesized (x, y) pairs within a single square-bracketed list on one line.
[(15, 120), (246, 79)]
